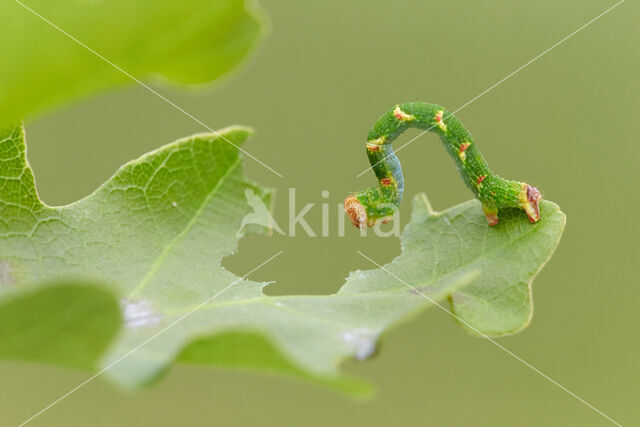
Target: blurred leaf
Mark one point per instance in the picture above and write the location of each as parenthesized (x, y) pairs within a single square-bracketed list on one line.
[(64, 323), (186, 42), (155, 233)]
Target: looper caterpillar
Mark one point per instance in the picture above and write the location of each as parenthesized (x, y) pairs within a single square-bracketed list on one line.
[(380, 202)]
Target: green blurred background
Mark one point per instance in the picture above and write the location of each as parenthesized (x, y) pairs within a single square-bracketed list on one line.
[(567, 123)]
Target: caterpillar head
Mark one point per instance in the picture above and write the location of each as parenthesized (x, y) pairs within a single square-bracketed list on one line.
[(531, 202), (356, 212), (367, 208)]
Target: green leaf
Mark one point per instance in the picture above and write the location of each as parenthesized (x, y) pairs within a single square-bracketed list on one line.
[(509, 256), (186, 42), (154, 236)]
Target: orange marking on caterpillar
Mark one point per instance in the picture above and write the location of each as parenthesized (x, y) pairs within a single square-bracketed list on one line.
[(386, 181), (463, 148), (401, 115), (378, 141), (480, 179), (440, 121), (372, 147)]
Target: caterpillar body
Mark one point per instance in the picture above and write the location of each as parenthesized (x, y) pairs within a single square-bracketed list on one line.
[(379, 203)]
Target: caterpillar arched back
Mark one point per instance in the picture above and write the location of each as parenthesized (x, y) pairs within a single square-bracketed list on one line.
[(380, 202)]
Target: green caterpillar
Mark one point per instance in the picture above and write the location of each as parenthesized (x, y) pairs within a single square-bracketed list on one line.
[(379, 203)]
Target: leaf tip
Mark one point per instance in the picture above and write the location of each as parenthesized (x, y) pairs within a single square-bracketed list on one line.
[(241, 132), (421, 207)]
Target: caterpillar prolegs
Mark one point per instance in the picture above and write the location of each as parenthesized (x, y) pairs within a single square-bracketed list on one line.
[(380, 202)]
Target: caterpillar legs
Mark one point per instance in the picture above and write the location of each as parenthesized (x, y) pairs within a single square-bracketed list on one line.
[(491, 212), (529, 201)]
